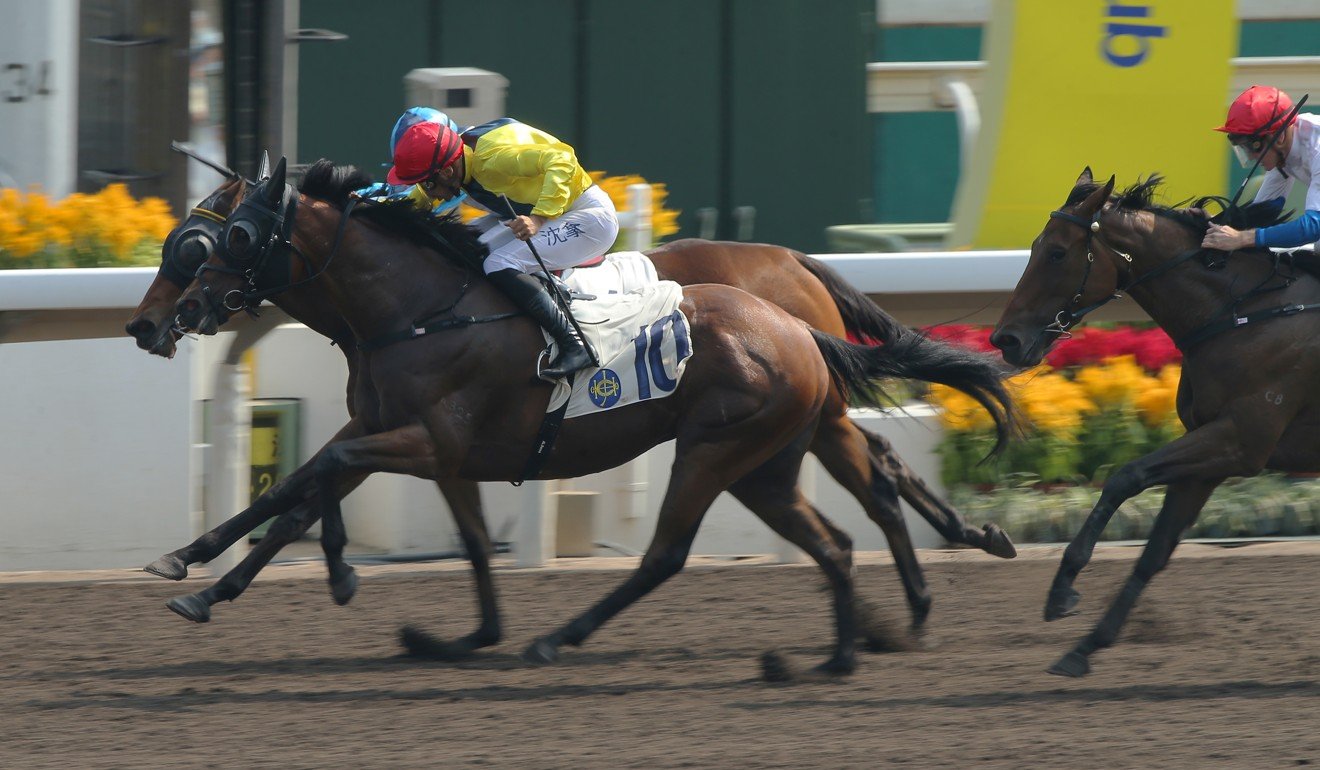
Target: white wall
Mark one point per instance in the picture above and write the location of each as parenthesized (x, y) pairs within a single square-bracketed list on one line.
[(94, 461)]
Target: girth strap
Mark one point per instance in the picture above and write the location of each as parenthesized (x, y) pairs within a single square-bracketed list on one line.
[(545, 439), (1187, 341), (453, 322)]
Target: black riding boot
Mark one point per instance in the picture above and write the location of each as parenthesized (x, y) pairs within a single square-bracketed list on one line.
[(530, 295), (1304, 259)]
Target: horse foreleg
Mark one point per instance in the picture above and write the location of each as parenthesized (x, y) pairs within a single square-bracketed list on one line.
[(289, 527), (930, 506), (692, 488), (406, 450), (281, 498), (1212, 451), (1182, 503), (464, 499)]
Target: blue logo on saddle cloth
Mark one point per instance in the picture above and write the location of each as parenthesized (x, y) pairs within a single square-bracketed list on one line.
[(604, 388)]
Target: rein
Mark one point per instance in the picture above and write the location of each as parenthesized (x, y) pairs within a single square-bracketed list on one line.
[(1066, 318)]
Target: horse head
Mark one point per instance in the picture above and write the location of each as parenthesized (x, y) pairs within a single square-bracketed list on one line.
[(185, 249), (1067, 275), (235, 269)]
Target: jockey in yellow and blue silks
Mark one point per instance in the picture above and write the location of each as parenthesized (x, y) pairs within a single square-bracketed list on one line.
[(386, 191), (531, 186)]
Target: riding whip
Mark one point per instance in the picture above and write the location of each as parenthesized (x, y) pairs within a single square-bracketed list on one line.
[(553, 292)]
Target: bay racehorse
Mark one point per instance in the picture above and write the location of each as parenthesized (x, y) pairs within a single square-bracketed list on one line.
[(1250, 339), (862, 462), (465, 403)]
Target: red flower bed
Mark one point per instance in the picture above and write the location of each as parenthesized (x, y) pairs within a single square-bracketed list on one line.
[(1152, 347)]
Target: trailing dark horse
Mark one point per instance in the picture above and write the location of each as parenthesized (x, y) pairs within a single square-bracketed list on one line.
[(1250, 340), (464, 402), (862, 462)]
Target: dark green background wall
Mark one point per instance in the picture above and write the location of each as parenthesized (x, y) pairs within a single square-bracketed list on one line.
[(730, 103)]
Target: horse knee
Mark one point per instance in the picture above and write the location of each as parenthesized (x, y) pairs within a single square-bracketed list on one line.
[(665, 564), (328, 464)]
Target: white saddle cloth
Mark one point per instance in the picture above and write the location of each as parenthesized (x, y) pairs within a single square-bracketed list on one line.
[(644, 340), (620, 273)]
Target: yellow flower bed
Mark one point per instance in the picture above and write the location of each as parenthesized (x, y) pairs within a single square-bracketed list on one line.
[(1079, 422), (105, 229)]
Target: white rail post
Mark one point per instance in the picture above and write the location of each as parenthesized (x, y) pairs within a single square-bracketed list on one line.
[(639, 217), (229, 463)]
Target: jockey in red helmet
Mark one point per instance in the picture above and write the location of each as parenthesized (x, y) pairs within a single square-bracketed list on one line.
[(531, 186), (1263, 125)]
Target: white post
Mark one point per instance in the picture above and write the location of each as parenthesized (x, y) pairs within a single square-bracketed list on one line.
[(229, 463), (535, 541), (639, 217)]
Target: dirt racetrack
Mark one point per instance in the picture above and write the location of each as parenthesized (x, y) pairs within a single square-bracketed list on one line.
[(1219, 668)]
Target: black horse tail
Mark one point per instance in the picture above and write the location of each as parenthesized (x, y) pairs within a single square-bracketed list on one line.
[(855, 369), (860, 315)]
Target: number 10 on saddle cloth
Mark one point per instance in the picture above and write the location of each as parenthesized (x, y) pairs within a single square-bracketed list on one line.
[(642, 339)]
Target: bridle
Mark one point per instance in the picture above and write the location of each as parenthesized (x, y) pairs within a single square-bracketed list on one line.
[(256, 244), (1067, 318)]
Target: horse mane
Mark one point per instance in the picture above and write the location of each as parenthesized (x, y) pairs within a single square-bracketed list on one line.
[(1140, 197), (446, 234)]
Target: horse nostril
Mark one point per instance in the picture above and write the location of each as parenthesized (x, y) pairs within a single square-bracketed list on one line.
[(1004, 340), (189, 305), (140, 327)]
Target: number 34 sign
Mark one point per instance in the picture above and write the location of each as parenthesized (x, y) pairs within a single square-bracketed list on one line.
[(21, 82)]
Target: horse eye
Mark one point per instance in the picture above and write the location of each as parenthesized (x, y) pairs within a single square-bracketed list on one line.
[(240, 238), (193, 252), (1056, 254)]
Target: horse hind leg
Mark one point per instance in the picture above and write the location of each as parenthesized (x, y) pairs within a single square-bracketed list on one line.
[(464, 499), (771, 492), (946, 520), (842, 449), (701, 470)]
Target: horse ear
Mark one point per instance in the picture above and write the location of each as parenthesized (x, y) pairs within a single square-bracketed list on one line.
[(1097, 198), (263, 171), (273, 187), (1085, 177)]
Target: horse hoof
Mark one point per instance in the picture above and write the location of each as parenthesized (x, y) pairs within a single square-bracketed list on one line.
[(169, 567), (922, 640), (344, 588), (192, 607), (775, 668), (836, 666), (1061, 603), (541, 652), (1073, 664), (998, 543)]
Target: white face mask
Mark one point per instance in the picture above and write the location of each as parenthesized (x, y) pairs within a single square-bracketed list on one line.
[(1244, 158)]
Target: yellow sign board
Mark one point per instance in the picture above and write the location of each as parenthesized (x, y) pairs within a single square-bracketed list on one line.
[(1127, 88)]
